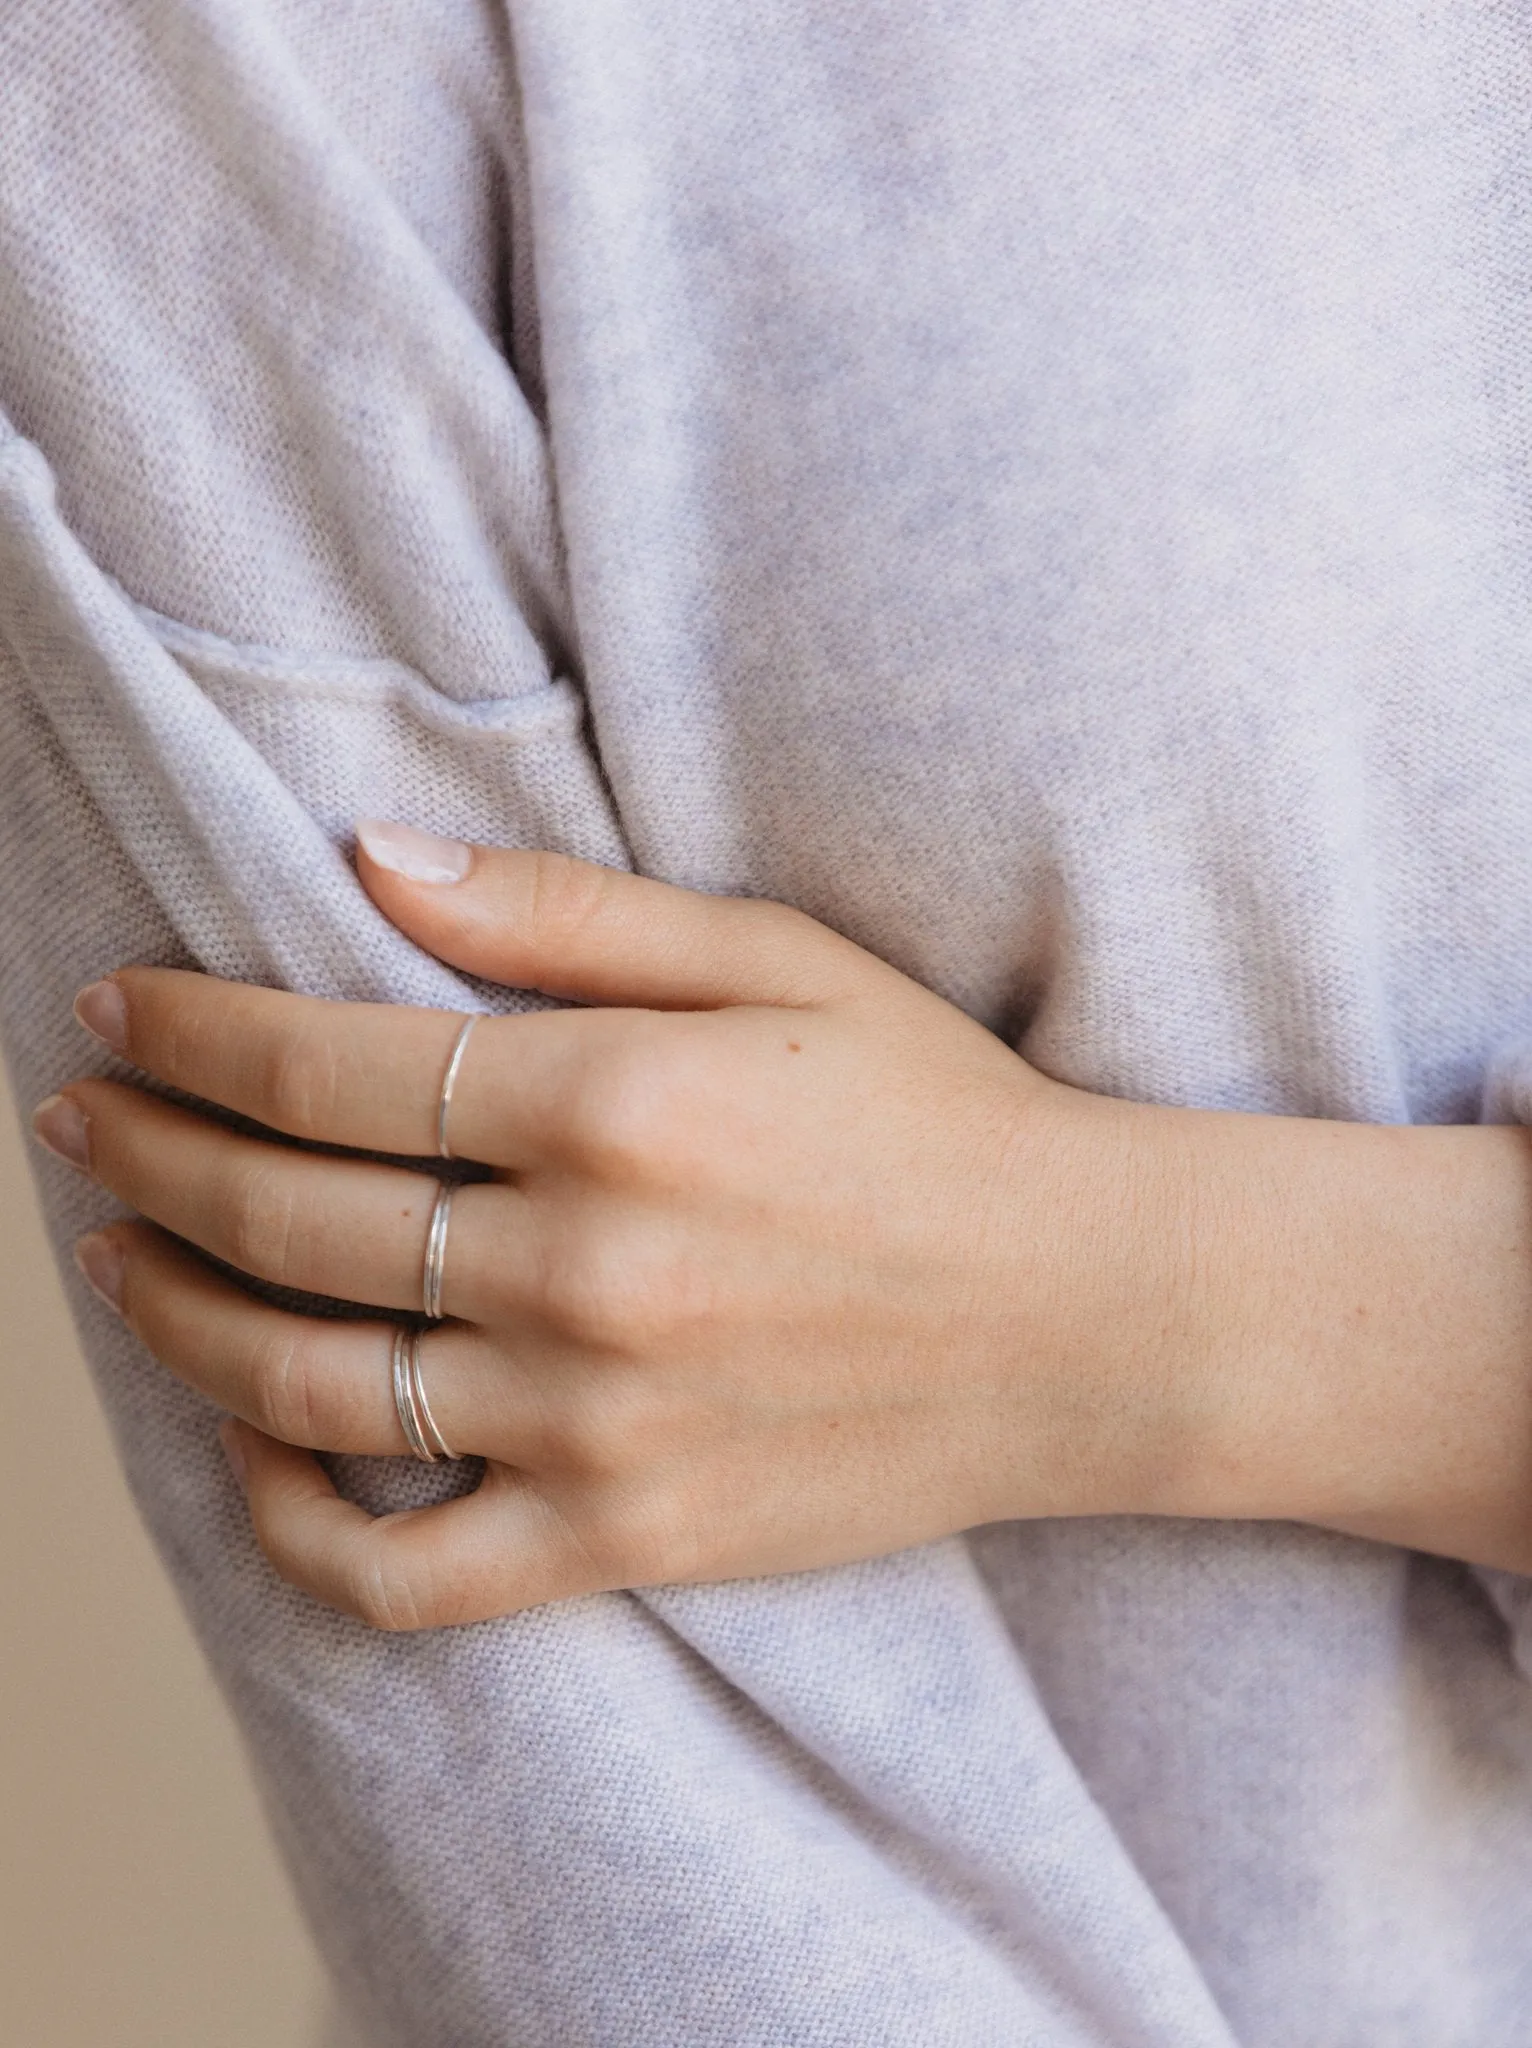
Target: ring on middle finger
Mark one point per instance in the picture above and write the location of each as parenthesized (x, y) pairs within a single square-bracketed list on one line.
[(435, 1269)]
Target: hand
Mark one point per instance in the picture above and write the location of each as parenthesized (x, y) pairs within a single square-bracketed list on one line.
[(785, 1261)]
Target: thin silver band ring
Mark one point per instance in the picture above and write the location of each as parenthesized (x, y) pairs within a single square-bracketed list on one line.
[(435, 1268), (421, 1433), (404, 1398), (428, 1425), (449, 1082)]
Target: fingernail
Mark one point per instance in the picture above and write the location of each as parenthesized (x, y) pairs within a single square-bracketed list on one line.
[(418, 856), (65, 1129), (101, 1009), (234, 1450), (102, 1260)]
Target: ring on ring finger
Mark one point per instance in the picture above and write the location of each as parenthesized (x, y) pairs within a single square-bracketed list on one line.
[(421, 1431)]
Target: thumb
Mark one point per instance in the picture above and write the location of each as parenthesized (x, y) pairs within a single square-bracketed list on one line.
[(571, 928)]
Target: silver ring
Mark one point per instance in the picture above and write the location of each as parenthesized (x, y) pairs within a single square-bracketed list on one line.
[(404, 1398), (427, 1420), (436, 1252), (449, 1082), (425, 1440)]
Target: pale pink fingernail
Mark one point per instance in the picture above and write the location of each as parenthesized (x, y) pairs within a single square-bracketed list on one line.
[(234, 1450), (102, 1260), (101, 1009), (65, 1129), (418, 856)]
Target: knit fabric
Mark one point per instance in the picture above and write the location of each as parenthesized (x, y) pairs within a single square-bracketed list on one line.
[(1044, 488)]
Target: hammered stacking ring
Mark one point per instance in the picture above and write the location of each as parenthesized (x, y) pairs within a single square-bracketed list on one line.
[(449, 1082), (425, 1440), (436, 1253)]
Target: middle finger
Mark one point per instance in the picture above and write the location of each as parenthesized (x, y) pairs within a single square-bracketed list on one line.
[(348, 1228)]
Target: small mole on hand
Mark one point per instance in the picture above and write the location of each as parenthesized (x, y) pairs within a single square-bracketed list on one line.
[(793, 1045)]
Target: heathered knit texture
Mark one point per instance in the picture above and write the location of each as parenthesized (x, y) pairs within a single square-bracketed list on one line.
[(1045, 488)]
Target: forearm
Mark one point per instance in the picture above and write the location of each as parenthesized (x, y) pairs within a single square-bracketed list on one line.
[(1360, 1300)]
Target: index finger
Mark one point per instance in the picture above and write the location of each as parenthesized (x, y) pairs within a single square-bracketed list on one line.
[(362, 1075)]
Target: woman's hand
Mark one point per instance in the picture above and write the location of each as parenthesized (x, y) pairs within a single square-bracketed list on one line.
[(784, 1262), (772, 1271)]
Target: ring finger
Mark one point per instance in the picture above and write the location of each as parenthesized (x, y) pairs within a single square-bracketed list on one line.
[(322, 1383), (348, 1228)]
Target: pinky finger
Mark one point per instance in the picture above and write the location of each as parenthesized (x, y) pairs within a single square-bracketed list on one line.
[(486, 1553)]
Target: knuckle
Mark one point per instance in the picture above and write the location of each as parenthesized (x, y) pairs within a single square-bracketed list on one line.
[(638, 1109), (284, 1389), (574, 1304), (257, 1223), (384, 1593), (614, 1113), (608, 1295), (295, 1083), (564, 897), (176, 1037)]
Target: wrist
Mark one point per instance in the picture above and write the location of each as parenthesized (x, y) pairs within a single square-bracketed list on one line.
[(1359, 1331), (1109, 1314)]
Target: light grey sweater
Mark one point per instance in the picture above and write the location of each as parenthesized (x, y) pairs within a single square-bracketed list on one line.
[(1046, 488)]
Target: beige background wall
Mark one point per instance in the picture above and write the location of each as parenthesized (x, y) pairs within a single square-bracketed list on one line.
[(140, 1903)]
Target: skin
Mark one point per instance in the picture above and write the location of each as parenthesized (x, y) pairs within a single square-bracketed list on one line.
[(785, 1261)]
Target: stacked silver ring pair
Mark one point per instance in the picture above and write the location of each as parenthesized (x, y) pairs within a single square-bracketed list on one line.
[(415, 1418)]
